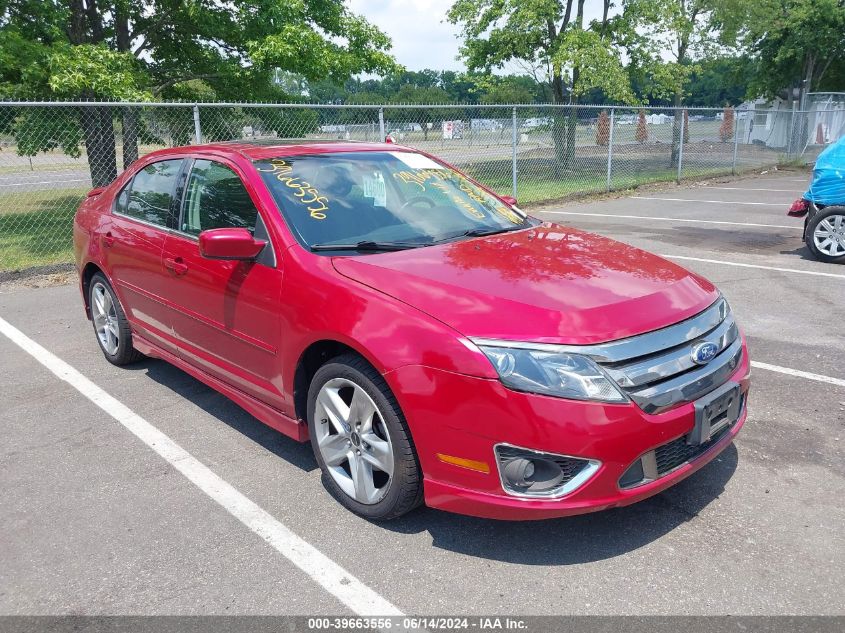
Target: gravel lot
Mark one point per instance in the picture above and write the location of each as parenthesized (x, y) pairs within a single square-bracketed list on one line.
[(93, 521)]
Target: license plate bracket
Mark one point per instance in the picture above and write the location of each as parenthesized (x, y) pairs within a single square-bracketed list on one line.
[(714, 412)]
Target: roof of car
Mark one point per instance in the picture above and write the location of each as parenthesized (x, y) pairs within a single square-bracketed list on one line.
[(258, 149)]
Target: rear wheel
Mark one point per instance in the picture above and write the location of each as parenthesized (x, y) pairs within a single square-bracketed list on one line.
[(825, 236), (110, 325), (361, 440)]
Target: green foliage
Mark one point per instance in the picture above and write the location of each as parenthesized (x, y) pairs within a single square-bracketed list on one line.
[(510, 89), (409, 94), (94, 69), (195, 49), (547, 33), (790, 42), (663, 39), (597, 66), (41, 130)]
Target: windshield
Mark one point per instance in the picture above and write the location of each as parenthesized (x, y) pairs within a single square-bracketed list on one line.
[(400, 199)]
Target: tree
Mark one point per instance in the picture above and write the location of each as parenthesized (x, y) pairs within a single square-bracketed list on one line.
[(143, 49), (548, 33), (797, 46), (663, 38), (409, 94), (714, 82), (726, 130), (603, 128), (641, 135), (505, 90), (686, 126)]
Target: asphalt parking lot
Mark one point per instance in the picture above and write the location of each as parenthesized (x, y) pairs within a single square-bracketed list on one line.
[(94, 521)]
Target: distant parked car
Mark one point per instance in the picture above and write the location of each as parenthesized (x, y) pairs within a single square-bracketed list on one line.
[(823, 206)]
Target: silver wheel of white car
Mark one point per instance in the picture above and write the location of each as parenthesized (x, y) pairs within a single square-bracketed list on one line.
[(826, 235), (361, 440)]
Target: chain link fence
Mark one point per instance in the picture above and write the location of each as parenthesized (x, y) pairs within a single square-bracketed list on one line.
[(51, 154)]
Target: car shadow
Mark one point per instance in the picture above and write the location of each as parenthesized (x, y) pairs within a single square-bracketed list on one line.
[(578, 539), (802, 252), (223, 409), (566, 541)]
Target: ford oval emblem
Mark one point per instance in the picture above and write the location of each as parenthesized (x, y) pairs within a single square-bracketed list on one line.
[(703, 353)]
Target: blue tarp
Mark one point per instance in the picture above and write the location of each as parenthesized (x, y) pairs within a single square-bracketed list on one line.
[(828, 186)]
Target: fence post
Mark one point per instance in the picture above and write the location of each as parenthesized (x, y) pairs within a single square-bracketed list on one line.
[(680, 145), (791, 140), (197, 128), (382, 134), (513, 152), (610, 150), (736, 140)]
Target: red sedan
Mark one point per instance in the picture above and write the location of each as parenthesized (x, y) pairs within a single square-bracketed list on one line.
[(433, 341)]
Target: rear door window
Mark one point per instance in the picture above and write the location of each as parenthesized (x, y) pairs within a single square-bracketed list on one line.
[(149, 196)]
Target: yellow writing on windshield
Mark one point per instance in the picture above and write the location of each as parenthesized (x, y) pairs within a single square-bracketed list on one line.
[(316, 204)]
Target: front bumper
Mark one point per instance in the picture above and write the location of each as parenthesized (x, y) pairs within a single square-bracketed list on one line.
[(466, 417)]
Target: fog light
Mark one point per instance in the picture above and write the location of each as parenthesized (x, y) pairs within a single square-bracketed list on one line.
[(530, 473)]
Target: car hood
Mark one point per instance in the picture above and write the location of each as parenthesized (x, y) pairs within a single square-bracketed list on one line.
[(548, 284)]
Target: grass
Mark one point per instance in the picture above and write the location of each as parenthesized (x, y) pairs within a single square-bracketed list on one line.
[(35, 227), (543, 186)]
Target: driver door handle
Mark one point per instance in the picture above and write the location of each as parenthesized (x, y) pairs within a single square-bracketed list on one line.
[(176, 264)]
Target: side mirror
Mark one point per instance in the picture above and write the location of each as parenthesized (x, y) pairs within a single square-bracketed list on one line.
[(238, 244), (508, 200)]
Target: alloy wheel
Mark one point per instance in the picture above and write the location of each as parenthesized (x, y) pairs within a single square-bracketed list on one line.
[(105, 318), (829, 236), (353, 441)]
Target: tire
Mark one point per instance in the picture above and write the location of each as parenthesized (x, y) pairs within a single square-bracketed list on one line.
[(113, 334), (825, 235), (358, 434)]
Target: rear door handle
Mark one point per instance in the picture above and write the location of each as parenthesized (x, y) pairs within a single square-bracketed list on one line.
[(176, 264), (108, 240)]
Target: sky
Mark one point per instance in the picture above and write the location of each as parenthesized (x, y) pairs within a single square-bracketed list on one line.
[(422, 38)]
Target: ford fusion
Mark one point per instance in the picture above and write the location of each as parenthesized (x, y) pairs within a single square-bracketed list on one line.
[(433, 342)]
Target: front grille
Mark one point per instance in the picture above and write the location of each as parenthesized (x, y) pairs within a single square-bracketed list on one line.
[(657, 370), (678, 452), (667, 457)]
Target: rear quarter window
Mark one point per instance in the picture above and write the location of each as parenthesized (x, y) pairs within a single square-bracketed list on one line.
[(149, 196)]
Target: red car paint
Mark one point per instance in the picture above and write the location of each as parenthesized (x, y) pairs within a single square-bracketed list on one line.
[(243, 329)]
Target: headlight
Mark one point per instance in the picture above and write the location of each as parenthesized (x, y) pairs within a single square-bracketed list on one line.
[(552, 374)]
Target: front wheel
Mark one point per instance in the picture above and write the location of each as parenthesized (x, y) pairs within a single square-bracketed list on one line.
[(361, 440), (825, 236)]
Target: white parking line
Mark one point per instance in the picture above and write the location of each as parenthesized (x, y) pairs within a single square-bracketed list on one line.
[(708, 188), (647, 217), (800, 374), (741, 265), (757, 204), (42, 182), (329, 575)]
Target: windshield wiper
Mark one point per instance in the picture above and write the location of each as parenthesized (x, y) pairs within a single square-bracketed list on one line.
[(480, 232), (365, 245)]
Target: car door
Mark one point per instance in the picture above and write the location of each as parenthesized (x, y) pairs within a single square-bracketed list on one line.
[(133, 242), (224, 314)]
